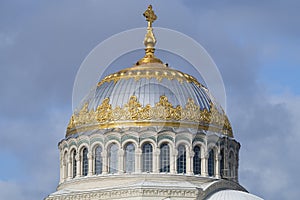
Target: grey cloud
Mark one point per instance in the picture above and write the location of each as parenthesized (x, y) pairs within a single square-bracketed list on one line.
[(41, 48), (9, 190), (267, 161)]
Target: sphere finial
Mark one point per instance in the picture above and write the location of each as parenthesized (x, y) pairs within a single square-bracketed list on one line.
[(150, 39)]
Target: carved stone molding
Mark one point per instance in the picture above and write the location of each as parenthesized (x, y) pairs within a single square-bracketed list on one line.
[(127, 193)]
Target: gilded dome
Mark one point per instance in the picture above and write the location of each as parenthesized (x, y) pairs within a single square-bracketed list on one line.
[(149, 94)]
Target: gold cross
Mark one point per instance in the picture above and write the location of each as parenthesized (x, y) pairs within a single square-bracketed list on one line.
[(150, 16)]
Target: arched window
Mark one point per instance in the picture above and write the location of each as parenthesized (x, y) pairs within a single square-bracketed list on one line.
[(211, 163), (113, 158), (181, 159), (98, 160), (129, 158), (231, 164), (74, 164), (197, 160), (164, 158), (85, 162), (147, 157), (222, 164)]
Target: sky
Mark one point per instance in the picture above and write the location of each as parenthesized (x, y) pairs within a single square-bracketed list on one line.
[(255, 45)]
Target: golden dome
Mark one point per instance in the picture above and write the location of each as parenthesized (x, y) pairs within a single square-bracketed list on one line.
[(149, 94)]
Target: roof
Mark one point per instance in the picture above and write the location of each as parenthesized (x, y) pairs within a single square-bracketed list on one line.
[(149, 94), (233, 195)]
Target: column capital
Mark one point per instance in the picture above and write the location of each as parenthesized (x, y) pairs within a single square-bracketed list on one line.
[(90, 155), (205, 156), (138, 151), (121, 152), (77, 157), (218, 157), (175, 152), (157, 151), (191, 154)]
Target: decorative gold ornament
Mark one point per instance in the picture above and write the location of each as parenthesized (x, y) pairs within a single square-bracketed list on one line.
[(150, 39), (162, 114), (157, 72), (150, 15)]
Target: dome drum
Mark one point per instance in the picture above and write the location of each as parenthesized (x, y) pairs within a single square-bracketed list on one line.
[(199, 154)]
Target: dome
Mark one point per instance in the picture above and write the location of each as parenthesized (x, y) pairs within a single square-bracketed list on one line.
[(149, 132), (233, 195), (150, 94)]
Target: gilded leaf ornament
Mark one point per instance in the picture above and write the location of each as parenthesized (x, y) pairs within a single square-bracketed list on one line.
[(163, 111)]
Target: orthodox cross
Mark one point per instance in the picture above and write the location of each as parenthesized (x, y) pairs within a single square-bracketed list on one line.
[(150, 16)]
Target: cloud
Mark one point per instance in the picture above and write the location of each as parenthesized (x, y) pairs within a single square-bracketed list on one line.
[(268, 162), (267, 129), (42, 45), (9, 190)]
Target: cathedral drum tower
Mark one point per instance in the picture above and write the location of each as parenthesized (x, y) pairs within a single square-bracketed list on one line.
[(149, 132)]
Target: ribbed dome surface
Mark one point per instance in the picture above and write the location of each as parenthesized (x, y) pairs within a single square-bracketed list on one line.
[(148, 83), (150, 94), (233, 195)]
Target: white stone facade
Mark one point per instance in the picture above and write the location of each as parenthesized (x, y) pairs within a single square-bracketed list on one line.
[(162, 183), (172, 138)]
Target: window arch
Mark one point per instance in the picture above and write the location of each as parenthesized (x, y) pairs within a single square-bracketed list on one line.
[(147, 156), (129, 158), (197, 160), (164, 158), (113, 158), (181, 159), (85, 162), (98, 160), (211, 163), (74, 164)]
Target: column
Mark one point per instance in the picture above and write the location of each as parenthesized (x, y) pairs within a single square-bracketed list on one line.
[(204, 165), (189, 163), (69, 167), (173, 161), (104, 162), (61, 170), (138, 160), (90, 160), (236, 167), (217, 167), (78, 165), (156, 154), (121, 161)]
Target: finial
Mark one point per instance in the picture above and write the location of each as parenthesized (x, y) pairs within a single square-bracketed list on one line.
[(149, 40), (150, 16)]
